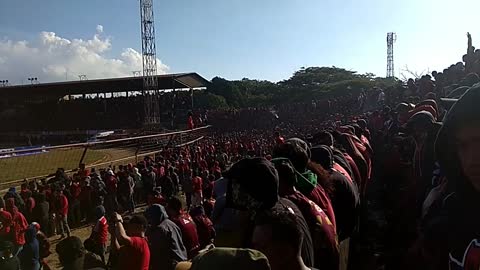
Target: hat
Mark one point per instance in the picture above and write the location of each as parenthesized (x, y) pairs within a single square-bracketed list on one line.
[(227, 258), (296, 150), (36, 226), (254, 183), (422, 119)]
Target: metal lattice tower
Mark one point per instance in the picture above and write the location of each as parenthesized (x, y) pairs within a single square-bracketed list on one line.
[(391, 38), (150, 84)]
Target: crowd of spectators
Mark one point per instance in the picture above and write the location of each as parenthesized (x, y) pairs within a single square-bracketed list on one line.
[(326, 185)]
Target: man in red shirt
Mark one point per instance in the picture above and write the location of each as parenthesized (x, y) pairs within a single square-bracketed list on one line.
[(205, 229), (75, 213), (197, 196), (62, 213), (132, 247), (19, 224), (100, 233), (186, 225), (5, 222), (323, 231), (111, 182)]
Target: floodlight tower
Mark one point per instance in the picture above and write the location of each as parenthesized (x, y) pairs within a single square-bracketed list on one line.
[(149, 56), (391, 38)]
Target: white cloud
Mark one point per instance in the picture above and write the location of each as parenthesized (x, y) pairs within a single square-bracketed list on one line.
[(99, 28), (53, 58)]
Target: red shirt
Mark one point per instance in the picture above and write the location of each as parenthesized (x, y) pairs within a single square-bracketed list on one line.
[(6, 219), (111, 183), (29, 204), (101, 231), (324, 235), (75, 190), (341, 170), (62, 205), (189, 234), (19, 226), (197, 184), (83, 174), (356, 173), (156, 200), (206, 232), (320, 198), (190, 122), (135, 255)]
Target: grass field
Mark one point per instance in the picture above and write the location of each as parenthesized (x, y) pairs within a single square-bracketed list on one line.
[(16, 168)]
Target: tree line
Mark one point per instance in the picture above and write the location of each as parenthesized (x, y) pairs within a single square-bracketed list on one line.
[(305, 85)]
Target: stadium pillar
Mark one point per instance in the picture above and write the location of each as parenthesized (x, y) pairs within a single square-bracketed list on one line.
[(191, 98), (173, 104), (83, 155)]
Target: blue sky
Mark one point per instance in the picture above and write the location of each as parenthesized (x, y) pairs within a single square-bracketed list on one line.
[(261, 39)]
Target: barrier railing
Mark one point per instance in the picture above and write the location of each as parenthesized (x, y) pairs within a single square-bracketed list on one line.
[(17, 166)]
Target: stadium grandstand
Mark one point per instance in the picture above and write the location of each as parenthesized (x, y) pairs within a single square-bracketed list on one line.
[(77, 110)]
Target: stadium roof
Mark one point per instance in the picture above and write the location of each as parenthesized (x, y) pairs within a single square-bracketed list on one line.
[(113, 85)]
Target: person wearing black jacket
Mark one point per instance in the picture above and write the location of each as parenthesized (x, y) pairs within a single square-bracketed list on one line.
[(41, 210), (450, 235), (345, 197)]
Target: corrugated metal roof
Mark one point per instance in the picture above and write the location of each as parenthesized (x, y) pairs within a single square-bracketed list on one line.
[(111, 85)]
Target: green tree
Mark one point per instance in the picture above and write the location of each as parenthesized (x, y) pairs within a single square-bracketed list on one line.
[(228, 90), (203, 99)]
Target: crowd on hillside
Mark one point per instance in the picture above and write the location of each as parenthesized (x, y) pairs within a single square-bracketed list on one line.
[(324, 186)]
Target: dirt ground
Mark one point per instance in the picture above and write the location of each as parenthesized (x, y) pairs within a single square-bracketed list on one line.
[(82, 233)]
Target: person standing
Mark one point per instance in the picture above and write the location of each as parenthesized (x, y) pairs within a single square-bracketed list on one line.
[(41, 211), (99, 234), (19, 224), (165, 238), (278, 236), (450, 232), (5, 222), (187, 187), (62, 213), (186, 224), (111, 182), (30, 254), (197, 185), (131, 244)]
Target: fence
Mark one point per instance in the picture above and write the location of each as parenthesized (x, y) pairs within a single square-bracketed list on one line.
[(16, 165)]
